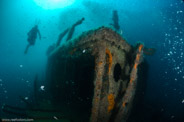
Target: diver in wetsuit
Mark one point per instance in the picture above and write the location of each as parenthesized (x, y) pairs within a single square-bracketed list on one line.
[(72, 29), (115, 19), (32, 35), (70, 33)]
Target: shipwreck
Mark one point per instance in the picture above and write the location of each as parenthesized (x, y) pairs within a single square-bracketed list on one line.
[(95, 75), (91, 78)]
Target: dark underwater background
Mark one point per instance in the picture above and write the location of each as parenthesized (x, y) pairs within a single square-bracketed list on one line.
[(157, 24)]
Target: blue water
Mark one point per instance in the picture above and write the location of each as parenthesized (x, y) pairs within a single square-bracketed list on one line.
[(155, 23)]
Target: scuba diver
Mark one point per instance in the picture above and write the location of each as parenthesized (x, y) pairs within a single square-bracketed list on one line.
[(115, 20), (32, 35), (70, 32)]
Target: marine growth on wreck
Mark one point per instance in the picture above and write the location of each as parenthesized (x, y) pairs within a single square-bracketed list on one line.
[(94, 75)]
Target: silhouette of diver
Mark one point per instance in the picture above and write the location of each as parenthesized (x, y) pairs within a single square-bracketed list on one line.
[(70, 32), (32, 35), (115, 19)]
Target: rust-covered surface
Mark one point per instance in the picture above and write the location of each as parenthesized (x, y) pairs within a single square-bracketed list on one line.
[(94, 76)]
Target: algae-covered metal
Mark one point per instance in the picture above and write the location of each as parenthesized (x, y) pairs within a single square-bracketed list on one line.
[(93, 78)]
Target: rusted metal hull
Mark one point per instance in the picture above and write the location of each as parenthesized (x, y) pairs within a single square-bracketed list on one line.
[(100, 63)]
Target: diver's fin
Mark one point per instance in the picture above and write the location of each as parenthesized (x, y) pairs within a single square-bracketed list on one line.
[(26, 50)]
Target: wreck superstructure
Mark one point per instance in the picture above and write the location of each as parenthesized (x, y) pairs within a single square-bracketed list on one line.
[(93, 78)]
